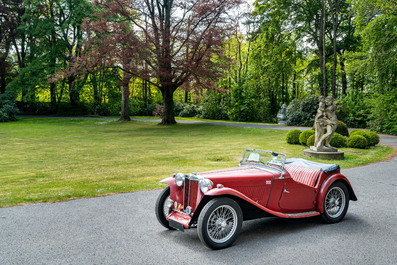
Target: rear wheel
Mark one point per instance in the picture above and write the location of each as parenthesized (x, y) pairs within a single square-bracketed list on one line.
[(219, 223), (336, 203), (163, 207)]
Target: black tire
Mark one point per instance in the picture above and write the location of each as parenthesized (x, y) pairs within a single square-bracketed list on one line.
[(219, 223), (160, 207), (336, 203)]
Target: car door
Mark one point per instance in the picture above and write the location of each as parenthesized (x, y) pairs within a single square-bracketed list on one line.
[(297, 197)]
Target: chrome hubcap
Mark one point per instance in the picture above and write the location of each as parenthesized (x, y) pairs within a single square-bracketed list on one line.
[(222, 224), (335, 202)]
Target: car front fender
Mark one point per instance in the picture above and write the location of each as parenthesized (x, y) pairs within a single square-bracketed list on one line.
[(169, 181), (327, 183)]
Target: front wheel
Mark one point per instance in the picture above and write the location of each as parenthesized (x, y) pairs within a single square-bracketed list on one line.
[(163, 207), (336, 202), (219, 223)]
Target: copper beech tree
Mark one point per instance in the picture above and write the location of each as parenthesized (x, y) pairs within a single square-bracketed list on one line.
[(167, 43)]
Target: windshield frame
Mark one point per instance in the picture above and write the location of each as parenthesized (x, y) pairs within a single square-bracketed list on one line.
[(279, 166)]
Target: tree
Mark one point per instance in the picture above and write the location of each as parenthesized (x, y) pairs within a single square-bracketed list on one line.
[(10, 16), (169, 43)]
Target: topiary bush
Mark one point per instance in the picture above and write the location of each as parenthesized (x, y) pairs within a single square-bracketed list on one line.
[(342, 128), (374, 138), (293, 136), (310, 140), (357, 141), (338, 141), (362, 133), (353, 131), (305, 135)]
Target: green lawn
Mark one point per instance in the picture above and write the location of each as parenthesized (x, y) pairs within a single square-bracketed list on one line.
[(47, 160)]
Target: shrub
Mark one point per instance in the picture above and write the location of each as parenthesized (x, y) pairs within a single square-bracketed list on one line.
[(353, 131), (383, 117), (357, 141), (189, 110), (158, 110), (8, 107), (215, 106), (304, 136), (354, 109), (362, 133), (310, 140), (302, 111), (293, 136), (342, 129), (374, 138), (338, 141)]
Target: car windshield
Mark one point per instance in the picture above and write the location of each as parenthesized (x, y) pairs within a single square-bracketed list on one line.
[(263, 158)]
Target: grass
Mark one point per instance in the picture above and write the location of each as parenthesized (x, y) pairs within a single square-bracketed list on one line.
[(53, 159)]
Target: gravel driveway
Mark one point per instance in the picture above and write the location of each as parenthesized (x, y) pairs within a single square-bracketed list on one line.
[(122, 229)]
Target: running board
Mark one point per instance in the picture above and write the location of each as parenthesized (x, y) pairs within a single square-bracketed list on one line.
[(303, 215)]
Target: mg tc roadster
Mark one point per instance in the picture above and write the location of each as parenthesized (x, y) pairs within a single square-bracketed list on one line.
[(264, 184)]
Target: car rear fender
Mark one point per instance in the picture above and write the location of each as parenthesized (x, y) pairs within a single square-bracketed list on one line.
[(327, 183)]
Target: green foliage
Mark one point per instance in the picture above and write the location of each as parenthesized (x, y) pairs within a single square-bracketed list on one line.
[(374, 138), (215, 106), (363, 134), (357, 141), (311, 140), (248, 104), (354, 109), (189, 110), (302, 112), (8, 107), (384, 112), (293, 136), (138, 108), (342, 129), (338, 141), (354, 131), (305, 135)]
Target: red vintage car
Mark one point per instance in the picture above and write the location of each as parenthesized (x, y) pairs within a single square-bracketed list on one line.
[(264, 184)]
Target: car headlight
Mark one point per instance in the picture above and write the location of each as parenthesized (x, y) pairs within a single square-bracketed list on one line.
[(179, 179), (205, 185)]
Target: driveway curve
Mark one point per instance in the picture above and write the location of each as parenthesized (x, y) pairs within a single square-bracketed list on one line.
[(122, 229)]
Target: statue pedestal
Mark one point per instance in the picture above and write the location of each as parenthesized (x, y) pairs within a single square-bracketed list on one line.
[(338, 155)]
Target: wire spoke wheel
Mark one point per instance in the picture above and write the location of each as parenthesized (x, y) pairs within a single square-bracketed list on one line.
[(220, 223), (336, 202)]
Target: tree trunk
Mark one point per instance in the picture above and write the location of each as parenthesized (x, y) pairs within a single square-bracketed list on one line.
[(73, 92), (2, 76), (323, 58), (343, 76), (125, 98), (335, 16), (168, 101)]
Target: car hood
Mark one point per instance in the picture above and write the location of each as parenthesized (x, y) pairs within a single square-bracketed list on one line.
[(246, 172)]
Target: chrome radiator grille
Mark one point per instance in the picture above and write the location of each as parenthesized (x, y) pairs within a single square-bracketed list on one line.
[(190, 193)]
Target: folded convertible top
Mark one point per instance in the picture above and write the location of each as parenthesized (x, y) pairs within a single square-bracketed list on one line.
[(326, 168)]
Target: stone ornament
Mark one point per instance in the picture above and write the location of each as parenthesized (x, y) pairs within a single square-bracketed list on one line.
[(282, 116), (325, 124)]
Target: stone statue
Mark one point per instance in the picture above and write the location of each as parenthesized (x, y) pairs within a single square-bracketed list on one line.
[(282, 116), (325, 125)]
